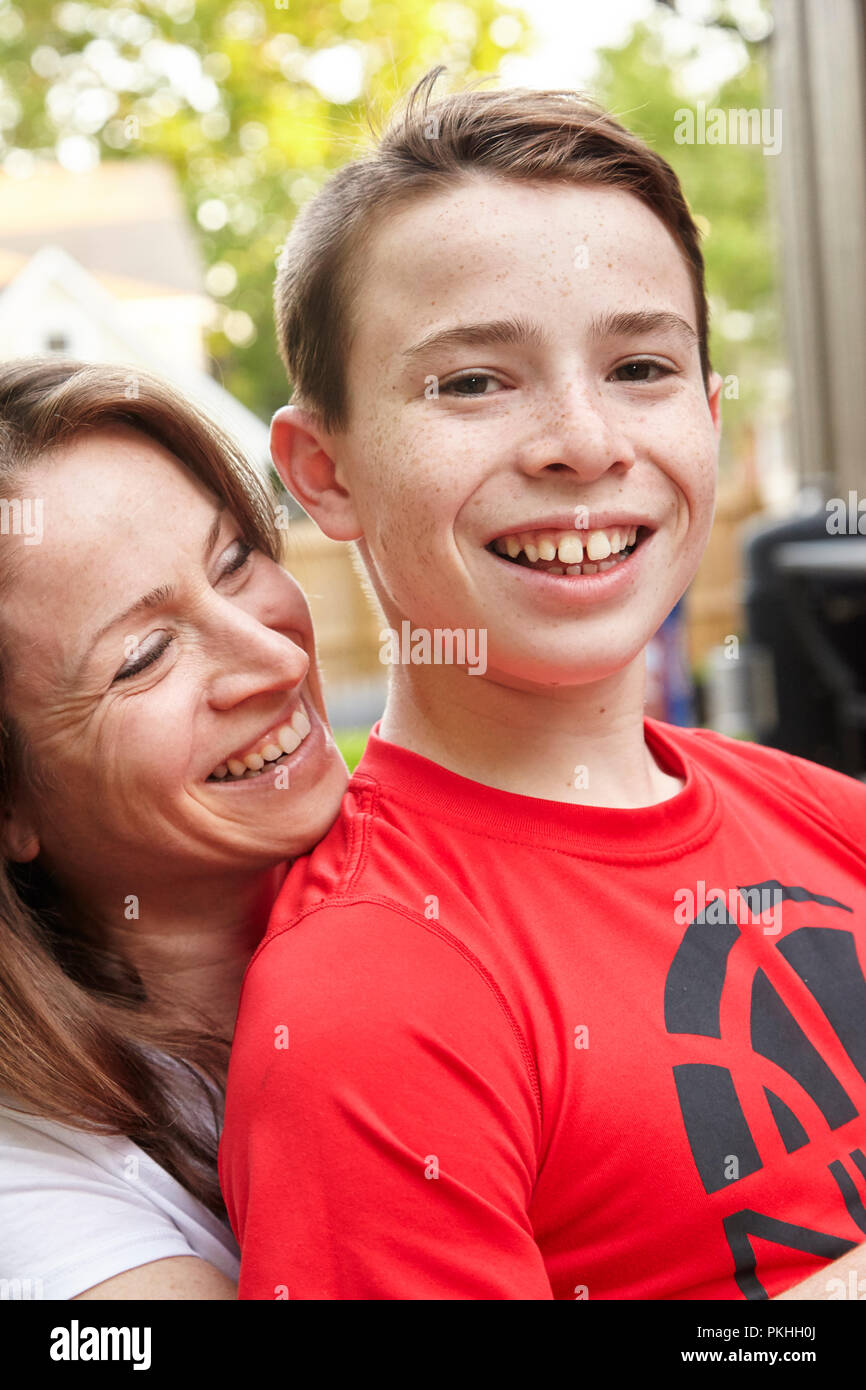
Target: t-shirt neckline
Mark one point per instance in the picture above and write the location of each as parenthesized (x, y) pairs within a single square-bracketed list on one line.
[(596, 831)]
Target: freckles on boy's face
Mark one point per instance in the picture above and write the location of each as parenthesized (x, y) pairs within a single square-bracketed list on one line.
[(574, 409)]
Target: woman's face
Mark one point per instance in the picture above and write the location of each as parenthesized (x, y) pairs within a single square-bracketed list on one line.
[(147, 649)]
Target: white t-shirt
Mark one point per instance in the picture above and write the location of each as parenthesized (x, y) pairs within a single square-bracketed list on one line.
[(77, 1208)]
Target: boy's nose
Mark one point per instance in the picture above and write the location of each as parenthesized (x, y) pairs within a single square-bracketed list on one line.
[(580, 434)]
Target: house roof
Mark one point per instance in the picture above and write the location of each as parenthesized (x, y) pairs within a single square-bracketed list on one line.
[(124, 220), (53, 272)]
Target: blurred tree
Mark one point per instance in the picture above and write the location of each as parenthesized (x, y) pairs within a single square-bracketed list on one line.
[(254, 104), (727, 185)]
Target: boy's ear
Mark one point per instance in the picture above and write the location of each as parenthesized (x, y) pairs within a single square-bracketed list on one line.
[(301, 451), (714, 401)]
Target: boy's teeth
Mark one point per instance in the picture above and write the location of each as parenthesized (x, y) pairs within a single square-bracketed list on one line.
[(598, 546), (570, 550), (594, 550)]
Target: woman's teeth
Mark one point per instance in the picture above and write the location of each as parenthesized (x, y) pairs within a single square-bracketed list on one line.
[(564, 552), (278, 744)]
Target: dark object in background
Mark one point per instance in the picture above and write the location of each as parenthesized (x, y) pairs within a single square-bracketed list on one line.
[(805, 604), (670, 692)]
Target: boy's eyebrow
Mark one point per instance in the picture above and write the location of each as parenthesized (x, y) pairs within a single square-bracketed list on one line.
[(635, 321), (509, 332)]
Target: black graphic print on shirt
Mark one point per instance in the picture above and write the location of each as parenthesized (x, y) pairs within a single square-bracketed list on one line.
[(825, 960)]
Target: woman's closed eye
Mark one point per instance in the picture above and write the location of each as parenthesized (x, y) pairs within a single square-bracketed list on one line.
[(145, 655), (243, 551)]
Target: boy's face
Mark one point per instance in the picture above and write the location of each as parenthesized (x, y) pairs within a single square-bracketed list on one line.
[(595, 425)]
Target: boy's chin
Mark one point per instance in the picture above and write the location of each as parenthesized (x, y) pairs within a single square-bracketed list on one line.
[(537, 671)]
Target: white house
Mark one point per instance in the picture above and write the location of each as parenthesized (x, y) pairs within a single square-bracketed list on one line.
[(103, 266)]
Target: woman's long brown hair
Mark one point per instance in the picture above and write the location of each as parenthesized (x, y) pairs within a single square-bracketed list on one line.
[(81, 1041)]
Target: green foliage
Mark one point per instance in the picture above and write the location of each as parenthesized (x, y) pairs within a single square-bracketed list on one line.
[(233, 108), (223, 90), (727, 189), (351, 743)]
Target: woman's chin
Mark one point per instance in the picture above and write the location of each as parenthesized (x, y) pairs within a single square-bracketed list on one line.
[(293, 801)]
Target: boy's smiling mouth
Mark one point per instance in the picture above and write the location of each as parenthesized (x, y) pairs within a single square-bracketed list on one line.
[(566, 551)]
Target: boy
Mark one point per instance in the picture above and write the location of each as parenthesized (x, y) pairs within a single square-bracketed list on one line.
[(568, 1003)]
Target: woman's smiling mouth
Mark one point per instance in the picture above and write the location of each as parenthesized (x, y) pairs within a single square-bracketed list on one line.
[(272, 749)]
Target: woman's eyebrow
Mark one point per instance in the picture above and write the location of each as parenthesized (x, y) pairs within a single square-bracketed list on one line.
[(509, 332), (157, 597)]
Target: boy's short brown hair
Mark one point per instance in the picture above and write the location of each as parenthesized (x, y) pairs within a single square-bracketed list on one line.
[(427, 148)]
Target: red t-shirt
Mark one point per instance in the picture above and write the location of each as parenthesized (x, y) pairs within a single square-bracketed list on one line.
[(499, 1047)]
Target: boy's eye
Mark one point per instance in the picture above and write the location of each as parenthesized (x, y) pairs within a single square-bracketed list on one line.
[(470, 380), (638, 371), (641, 369)]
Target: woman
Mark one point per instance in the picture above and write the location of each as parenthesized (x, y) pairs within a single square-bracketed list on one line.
[(164, 750)]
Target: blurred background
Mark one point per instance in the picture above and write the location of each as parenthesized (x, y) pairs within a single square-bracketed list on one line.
[(153, 154)]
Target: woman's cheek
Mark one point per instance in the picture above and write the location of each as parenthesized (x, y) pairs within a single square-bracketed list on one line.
[(156, 741)]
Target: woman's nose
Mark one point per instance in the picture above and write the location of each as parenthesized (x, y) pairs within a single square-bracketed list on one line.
[(253, 659)]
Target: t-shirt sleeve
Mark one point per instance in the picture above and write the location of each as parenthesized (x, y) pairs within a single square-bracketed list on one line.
[(843, 796), (66, 1222), (838, 796), (382, 1118)]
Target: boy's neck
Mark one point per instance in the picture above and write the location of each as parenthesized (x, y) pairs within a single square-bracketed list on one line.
[(581, 744)]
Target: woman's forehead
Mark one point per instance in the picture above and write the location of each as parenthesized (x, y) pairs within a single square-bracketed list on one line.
[(119, 512)]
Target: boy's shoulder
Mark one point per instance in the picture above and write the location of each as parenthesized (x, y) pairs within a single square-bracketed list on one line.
[(822, 788), (388, 850)]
